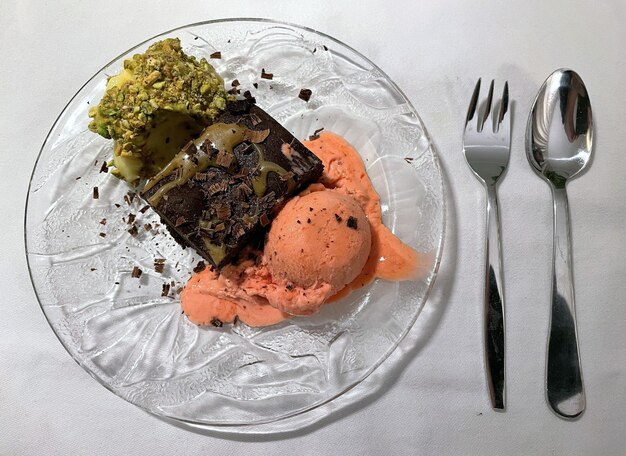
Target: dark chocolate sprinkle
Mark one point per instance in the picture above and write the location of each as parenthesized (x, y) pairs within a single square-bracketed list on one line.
[(96, 194), (265, 75), (201, 266), (249, 96), (352, 223), (338, 217), (305, 94), (136, 272), (316, 134), (216, 322), (103, 221), (256, 85), (159, 264), (102, 235), (104, 168), (216, 55)]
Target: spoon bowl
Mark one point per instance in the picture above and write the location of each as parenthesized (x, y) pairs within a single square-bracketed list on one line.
[(559, 140), (560, 128)]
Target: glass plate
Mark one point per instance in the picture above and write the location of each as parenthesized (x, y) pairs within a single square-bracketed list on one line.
[(236, 378)]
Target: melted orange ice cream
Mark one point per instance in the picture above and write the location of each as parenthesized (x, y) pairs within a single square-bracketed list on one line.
[(323, 244)]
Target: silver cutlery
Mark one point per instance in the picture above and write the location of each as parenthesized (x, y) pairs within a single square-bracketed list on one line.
[(559, 138), (486, 146)]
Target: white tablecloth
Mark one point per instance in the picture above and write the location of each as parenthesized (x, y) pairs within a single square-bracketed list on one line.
[(432, 398)]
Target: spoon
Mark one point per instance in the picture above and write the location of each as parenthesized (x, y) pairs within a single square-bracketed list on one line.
[(559, 138)]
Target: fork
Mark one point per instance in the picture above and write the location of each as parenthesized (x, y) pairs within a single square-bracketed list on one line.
[(486, 146)]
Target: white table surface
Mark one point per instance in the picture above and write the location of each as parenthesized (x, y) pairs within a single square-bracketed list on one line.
[(433, 398)]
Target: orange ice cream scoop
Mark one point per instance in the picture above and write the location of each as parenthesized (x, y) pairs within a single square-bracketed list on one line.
[(322, 237)]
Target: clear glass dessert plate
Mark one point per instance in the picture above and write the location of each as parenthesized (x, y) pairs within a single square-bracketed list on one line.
[(135, 341)]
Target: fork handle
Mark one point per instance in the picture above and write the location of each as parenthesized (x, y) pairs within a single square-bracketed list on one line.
[(494, 340)]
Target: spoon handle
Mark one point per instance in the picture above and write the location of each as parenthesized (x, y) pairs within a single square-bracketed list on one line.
[(494, 305), (564, 383)]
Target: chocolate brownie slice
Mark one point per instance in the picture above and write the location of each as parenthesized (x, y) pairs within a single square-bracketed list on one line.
[(227, 185)]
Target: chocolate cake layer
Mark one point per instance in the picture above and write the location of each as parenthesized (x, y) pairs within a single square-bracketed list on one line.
[(227, 185)]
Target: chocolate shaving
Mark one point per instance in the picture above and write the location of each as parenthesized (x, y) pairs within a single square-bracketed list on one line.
[(166, 289), (233, 91), (159, 264), (102, 234), (131, 197), (352, 223), (217, 187), (235, 82), (249, 220), (338, 218), (117, 205), (133, 231), (223, 211), (265, 220), (201, 266), (96, 193), (136, 272), (255, 119), (216, 55), (265, 75), (216, 322), (180, 221), (256, 85), (238, 231), (249, 96), (220, 227), (289, 286), (131, 218), (244, 190), (147, 226), (144, 209), (305, 94), (408, 159), (255, 136), (224, 159), (103, 221), (316, 134)]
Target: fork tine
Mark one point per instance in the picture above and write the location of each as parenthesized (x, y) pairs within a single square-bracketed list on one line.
[(504, 104), (472, 106), (487, 114)]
